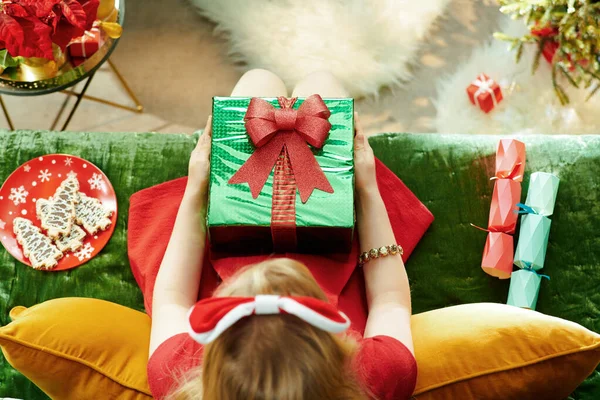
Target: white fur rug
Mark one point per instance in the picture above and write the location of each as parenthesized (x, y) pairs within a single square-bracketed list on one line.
[(531, 107), (368, 44)]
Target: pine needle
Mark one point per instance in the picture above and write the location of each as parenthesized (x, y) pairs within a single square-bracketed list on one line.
[(567, 75), (593, 92), (519, 51), (538, 56), (560, 93)]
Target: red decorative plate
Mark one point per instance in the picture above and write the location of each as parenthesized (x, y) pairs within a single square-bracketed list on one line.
[(39, 178)]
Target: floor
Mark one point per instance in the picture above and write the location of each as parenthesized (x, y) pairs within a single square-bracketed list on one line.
[(175, 65)]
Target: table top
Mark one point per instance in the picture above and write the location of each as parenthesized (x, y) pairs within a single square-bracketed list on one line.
[(67, 75)]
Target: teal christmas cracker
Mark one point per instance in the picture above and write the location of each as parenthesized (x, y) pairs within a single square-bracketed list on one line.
[(533, 241), (524, 289), (541, 195)]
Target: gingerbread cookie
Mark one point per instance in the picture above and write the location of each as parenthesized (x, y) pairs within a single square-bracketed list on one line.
[(91, 214), (60, 211), (36, 246)]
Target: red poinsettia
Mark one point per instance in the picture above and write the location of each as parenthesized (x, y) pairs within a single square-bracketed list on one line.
[(29, 27)]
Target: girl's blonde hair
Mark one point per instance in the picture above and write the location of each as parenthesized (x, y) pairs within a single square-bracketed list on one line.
[(271, 357)]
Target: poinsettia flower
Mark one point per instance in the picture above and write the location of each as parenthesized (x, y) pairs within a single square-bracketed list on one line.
[(15, 10), (38, 8), (91, 10), (65, 32), (37, 41), (73, 13), (11, 34), (29, 27), (53, 19)]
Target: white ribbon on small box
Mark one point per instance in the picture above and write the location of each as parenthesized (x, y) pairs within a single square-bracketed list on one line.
[(484, 85), (93, 33)]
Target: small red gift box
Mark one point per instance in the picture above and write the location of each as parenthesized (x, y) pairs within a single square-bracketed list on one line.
[(484, 93), (86, 45), (77, 61), (503, 218), (498, 255)]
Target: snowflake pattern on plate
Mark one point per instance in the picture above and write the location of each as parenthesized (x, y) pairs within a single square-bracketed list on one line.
[(44, 176), (85, 252), (18, 195), (35, 180), (96, 182)]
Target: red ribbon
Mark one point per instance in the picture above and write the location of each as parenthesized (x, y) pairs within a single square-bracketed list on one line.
[(512, 174), (286, 130)]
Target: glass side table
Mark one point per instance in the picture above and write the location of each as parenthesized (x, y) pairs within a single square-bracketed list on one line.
[(69, 76)]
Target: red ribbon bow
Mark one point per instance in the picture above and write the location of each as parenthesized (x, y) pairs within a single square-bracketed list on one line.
[(209, 318), (512, 174), (274, 131)]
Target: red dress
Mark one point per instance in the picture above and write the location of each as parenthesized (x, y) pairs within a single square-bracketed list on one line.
[(386, 366), (383, 365)]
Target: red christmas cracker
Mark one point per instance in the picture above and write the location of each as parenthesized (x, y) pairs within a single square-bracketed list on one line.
[(503, 209), (498, 255), (499, 250), (510, 160)]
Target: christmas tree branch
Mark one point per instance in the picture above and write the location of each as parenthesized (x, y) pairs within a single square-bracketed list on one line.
[(566, 33)]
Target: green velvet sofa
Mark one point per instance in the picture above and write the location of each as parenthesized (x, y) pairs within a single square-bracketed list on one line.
[(449, 173)]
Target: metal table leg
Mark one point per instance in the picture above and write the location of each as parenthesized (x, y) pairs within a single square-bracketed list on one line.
[(76, 105), (63, 108), (6, 115), (139, 108)]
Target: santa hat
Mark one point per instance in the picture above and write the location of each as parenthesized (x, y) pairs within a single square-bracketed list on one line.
[(210, 317)]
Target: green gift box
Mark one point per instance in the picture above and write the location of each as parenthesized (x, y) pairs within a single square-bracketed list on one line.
[(533, 241), (524, 289), (266, 206)]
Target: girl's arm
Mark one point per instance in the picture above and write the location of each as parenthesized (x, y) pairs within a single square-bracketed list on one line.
[(388, 291), (178, 279)]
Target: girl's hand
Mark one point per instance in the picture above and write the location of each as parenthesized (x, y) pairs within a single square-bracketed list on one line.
[(199, 166), (364, 161)]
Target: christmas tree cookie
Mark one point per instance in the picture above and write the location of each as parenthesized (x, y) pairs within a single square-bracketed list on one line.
[(70, 242), (91, 214), (73, 241), (60, 211), (36, 246)]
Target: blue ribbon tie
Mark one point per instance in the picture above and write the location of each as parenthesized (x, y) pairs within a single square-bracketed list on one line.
[(529, 268), (525, 209)]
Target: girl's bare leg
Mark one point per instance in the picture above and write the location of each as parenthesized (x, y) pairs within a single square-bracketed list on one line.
[(320, 82), (259, 83)]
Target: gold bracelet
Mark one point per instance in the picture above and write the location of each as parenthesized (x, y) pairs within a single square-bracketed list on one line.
[(379, 252)]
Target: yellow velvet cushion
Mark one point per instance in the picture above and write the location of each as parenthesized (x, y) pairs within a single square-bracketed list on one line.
[(79, 348), (494, 351)]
